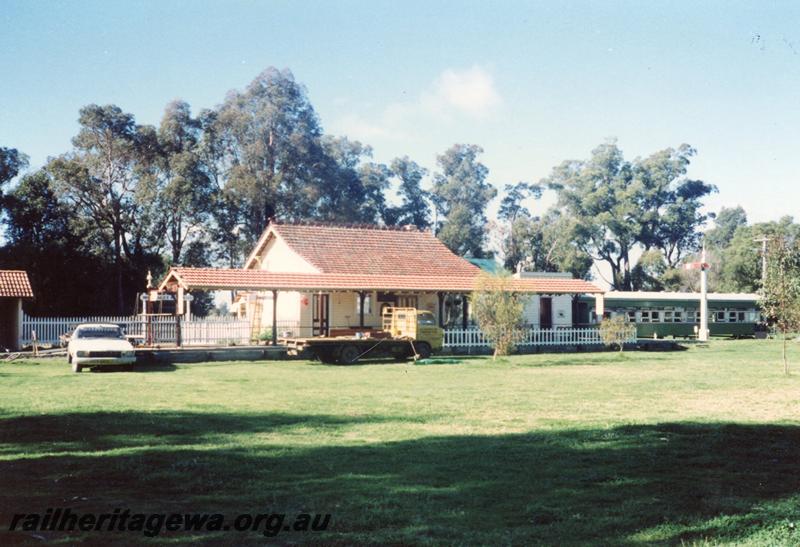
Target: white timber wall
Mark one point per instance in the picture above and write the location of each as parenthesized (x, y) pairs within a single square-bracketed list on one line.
[(562, 310), (277, 256), (561, 307), (293, 311)]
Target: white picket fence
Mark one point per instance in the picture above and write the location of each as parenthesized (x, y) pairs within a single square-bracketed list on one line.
[(49, 329), (205, 331), (473, 338), (199, 332), (226, 331)]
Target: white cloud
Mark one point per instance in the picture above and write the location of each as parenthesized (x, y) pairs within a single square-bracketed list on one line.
[(453, 94), (471, 91)]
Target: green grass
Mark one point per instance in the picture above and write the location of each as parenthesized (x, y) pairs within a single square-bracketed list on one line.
[(700, 446)]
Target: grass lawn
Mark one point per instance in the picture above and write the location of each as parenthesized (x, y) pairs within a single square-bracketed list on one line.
[(700, 446)]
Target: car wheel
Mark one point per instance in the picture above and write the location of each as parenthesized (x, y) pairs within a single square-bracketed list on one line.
[(75, 367), (423, 349)]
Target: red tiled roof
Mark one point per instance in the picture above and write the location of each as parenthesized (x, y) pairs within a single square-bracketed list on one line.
[(15, 284), (368, 250), (223, 279)]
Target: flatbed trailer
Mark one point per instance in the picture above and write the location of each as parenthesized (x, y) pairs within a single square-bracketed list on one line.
[(346, 350)]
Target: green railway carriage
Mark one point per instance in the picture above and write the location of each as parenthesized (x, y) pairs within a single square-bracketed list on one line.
[(677, 315)]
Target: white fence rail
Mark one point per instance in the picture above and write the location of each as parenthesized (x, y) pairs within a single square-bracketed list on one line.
[(473, 338), (162, 330), (204, 331), (49, 329)]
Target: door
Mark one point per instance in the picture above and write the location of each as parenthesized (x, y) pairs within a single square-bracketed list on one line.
[(320, 308), (545, 312)]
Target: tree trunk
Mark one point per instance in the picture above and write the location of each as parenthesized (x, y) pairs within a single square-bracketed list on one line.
[(118, 267)]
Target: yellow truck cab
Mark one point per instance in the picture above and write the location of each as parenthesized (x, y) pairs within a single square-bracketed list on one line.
[(413, 324)]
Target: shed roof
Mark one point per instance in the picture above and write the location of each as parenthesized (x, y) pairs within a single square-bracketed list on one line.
[(15, 284), (370, 250), (223, 279)]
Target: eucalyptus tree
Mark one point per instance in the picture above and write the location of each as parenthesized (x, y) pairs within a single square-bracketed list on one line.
[(186, 190), (597, 194), (106, 181), (269, 142), (726, 222), (461, 194), (671, 205), (620, 206), (12, 161), (413, 209), (513, 211)]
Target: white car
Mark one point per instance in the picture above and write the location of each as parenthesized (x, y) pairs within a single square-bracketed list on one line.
[(99, 344)]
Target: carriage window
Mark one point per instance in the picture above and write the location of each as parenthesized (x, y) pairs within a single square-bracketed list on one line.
[(732, 315), (668, 317), (678, 317), (655, 316), (632, 316), (720, 316), (645, 316)]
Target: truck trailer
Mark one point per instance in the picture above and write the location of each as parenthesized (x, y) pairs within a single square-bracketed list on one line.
[(406, 333)]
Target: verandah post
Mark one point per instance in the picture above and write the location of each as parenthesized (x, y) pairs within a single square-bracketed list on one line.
[(362, 296), (274, 317)]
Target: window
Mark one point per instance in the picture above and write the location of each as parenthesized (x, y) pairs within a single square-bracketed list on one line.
[(426, 319), (407, 301), (99, 332), (655, 316), (645, 316), (720, 316), (367, 304), (632, 316), (668, 316)]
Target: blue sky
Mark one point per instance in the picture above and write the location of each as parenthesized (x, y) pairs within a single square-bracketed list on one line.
[(533, 83)]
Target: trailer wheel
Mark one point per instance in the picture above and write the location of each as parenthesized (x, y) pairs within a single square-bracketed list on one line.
[(348, 355), (325, 356), (423, 350)]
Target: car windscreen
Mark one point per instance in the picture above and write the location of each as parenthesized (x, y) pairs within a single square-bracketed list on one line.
[(97, 332)]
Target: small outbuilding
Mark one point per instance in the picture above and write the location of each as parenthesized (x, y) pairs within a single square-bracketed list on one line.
[(14, 288)]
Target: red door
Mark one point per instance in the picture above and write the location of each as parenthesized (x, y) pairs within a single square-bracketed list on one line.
[(320, 308), (545, 312)]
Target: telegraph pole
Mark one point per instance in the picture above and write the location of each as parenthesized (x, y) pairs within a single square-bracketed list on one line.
[(763, 240)]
